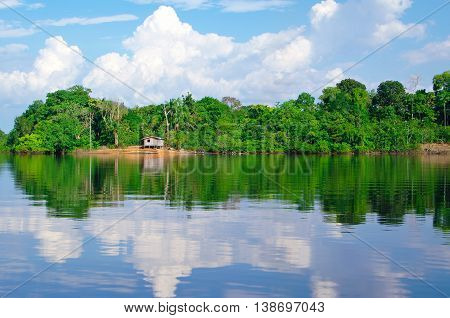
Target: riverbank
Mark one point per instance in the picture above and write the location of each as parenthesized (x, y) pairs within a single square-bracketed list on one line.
[(424, 149), (132, 150), (435, 149)]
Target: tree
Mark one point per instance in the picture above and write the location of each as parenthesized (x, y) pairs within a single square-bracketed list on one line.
[(232, 102), (419, 105), (30, 143), (3, 140), (110, 114), (441, 87), (348, 85), (305, 101), (390, 99), (413, 83), (62, 133)]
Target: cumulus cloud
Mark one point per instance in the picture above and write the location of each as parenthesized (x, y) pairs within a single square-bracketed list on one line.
[(356, 23), (168, 57), (434, 51), (323, 10), (57, 66), (394, 7), (89, 21)]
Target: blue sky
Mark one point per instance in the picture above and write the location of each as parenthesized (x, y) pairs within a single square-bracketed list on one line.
[(261, 51)]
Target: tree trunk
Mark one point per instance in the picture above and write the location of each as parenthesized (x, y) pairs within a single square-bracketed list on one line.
[(116, 139), (445, 114), (167, 121), (90, 132)]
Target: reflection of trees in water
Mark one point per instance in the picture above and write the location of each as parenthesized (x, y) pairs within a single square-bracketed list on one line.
[(442, 209), (346, 187)]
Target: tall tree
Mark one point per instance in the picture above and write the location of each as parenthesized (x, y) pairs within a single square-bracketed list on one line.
[(232, 102), (390, 99), (348, 85), (3, 139), (441, 87), (111, 114)]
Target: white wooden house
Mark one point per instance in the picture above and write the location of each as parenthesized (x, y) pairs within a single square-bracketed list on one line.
[(152, 142)]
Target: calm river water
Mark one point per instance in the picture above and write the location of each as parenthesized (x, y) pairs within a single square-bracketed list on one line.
[(224, 226)]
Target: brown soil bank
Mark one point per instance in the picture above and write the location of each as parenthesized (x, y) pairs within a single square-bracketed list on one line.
[(435, 149), (132, 150)]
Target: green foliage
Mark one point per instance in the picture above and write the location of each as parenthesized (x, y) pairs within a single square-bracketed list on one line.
[(347, 118), (30, 143), (60, 124), (389, 100), (349, 85), (3, 141), (441, 87)]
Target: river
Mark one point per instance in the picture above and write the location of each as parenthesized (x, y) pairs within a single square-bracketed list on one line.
[(224, 226)]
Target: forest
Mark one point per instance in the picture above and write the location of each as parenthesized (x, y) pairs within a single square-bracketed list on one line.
[(345, 118)]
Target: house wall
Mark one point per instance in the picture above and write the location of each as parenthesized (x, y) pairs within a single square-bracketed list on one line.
[(153, 143)]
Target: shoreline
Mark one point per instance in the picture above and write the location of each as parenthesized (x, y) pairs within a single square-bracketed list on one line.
[(441, 149), (429, 149)]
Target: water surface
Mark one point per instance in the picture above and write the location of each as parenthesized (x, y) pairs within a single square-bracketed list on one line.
[(224, 226)]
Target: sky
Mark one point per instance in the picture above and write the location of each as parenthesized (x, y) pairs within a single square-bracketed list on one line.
[(142, 52)]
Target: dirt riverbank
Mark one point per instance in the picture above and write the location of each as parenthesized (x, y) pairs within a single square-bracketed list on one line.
[(435, 149), (442, 149), (133, 150)]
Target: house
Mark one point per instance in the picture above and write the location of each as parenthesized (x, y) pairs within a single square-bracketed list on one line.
[(152, 142)]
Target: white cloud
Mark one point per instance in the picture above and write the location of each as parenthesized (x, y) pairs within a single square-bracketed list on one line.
[(323, 10), (386, 32), (10, 3), (225, 5), (334, 76), (395, 8), (57, 66), (5, 4), (168, 57), (13, 48), (360, 24), (434, 51), (34, 6), (89, 21), (11, 31)]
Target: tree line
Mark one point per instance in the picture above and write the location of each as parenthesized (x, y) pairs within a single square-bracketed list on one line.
[(345, 118)]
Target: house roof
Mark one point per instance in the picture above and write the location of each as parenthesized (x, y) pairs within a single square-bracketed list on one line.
[(152, 137)]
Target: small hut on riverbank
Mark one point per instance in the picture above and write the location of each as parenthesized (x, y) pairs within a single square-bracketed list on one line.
[(152, 142)]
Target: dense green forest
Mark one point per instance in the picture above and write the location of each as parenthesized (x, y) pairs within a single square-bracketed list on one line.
[(346, 118)]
